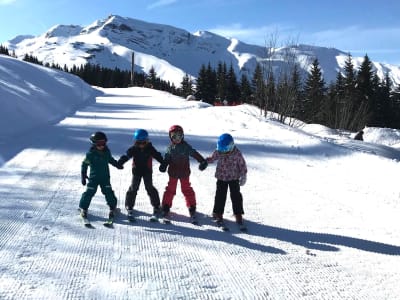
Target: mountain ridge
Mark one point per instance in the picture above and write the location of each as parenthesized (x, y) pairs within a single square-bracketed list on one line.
[(171, 51)]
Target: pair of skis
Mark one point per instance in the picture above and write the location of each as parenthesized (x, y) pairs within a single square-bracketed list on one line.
[(165, 220), (221, 225), (109, 223)]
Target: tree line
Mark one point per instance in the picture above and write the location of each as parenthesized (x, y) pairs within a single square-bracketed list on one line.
[(357, 98)]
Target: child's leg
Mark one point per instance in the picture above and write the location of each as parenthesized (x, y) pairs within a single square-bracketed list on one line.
[(170, 191), (88, 195), (151, 190), (237, 199), (188, 192), (130, 196), (107, 191), (220, 198)]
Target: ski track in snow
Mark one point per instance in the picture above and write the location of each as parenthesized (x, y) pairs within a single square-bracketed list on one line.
[(46, 253)]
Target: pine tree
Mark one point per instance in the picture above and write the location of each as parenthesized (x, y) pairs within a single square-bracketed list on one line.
[(221, 81), (232, 87), (365, 93), (245, 89), (314, 91), (259, 89), (186, 86), (206, 84)]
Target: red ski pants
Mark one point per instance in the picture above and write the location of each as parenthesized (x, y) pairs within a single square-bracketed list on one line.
[(187, 191)]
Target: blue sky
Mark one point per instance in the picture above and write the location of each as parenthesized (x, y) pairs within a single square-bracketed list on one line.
[(359, 27)]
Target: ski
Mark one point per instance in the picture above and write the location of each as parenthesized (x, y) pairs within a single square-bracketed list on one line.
[(109, 223), (242, 227), (87, 223), (221, 225), (194, 220), (131, 217), (166, 220), (85, 220), (153, 219)]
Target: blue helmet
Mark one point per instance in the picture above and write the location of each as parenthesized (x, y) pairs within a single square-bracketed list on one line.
[(225, 143), (141, 135)]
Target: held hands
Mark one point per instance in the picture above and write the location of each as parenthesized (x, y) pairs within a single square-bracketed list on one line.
[(203, 165), (83, 178), (242, 180), (119, 165), (163, 167)]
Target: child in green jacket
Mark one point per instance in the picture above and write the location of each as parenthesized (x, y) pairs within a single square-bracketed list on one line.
[(98, 157)]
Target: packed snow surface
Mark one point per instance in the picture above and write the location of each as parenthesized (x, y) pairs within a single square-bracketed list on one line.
[(321, 209)]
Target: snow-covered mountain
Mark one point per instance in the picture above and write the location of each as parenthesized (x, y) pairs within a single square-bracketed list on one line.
[(173, 52)]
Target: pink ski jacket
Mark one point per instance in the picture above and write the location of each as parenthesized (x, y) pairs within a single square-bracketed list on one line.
[(230, 166)]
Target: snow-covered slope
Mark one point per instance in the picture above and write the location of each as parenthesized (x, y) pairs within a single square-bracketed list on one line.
[(322, 215), (31, 95), (173, 52)]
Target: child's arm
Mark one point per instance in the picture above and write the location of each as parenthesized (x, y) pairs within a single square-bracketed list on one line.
[(125, 157), (242, 169), (112, 161), (165, 163), (213, 157), (84, 167), (157, 155)]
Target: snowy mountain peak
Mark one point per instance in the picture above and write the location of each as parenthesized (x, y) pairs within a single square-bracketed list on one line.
[(171, 51), (63, 31)]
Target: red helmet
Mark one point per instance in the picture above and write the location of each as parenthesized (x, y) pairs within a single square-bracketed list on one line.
[(176, 133)]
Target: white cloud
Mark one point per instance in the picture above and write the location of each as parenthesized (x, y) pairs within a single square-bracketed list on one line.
[(6, 2), (161, 3)]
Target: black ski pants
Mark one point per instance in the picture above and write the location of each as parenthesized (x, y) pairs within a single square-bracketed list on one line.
[(221, 194), (130, 197)]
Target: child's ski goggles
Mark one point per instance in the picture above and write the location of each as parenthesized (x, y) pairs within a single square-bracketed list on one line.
[(176, 136), (100, 143)]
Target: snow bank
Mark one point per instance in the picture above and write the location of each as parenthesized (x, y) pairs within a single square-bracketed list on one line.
[(32, 95)]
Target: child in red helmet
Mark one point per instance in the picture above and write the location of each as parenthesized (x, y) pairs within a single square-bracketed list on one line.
[(176, 158)]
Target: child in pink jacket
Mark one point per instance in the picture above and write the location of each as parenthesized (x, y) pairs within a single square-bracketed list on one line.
[(231, 172)]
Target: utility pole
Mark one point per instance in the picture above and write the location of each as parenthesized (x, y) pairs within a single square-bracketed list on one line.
[(132, 68)]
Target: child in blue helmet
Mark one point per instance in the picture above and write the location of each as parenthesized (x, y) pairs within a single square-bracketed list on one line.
[(231, 171), (142, 152)]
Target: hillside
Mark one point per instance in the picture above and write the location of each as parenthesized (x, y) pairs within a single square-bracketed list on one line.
[(173, 52)]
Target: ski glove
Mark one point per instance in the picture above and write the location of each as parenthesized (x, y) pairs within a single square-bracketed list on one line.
[(163, 168), (119, 166), (242, 180), (83, 178), (203, 165)]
